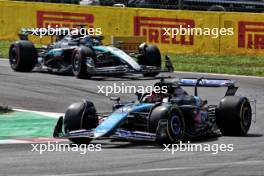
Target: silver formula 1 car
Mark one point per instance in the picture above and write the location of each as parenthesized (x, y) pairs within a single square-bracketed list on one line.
[(84, 56)]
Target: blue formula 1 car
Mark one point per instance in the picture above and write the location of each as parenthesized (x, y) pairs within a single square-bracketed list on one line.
[(161, 117), (85, 56)]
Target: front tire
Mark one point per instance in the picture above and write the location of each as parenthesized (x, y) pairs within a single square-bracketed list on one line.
[(22, 56), (150, 56), (79, 58), (234, 116), (80, 116), (168, 124)]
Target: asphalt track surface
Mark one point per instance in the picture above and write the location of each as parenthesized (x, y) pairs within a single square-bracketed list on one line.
[(46, 92)]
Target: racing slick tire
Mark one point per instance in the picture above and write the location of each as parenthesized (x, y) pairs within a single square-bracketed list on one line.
[(22, 56), (150, 56), (168, 124), (234, 116), (78, 116), (79, 58)]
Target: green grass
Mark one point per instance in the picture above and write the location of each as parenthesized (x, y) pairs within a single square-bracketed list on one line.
[(238, 65), (15, 125), (4, 46)]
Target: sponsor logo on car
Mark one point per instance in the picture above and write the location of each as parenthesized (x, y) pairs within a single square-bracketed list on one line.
[(63, 19), (153, 29), (251, 35)]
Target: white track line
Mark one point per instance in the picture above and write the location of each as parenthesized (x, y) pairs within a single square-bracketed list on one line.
[(11, 141), (31, 140)]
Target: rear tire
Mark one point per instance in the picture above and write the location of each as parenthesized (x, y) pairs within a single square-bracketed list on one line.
[(234, 116), (150, 57), (22, 56), (79, 59), (80, 116)]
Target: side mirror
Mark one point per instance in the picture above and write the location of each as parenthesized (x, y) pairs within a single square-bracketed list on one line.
[(139, 95), (116, 99), (204, 102), (117, 105), (142, 48)]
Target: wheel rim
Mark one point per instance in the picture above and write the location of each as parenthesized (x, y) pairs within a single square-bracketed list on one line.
[(175, 125), (76, 63), (246, 116), (13, 57)]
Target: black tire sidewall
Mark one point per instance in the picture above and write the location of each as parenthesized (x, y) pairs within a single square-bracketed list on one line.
[(72, 123), (89, 121), (151, 57), (26, 55), (81, 54), (230, 117)]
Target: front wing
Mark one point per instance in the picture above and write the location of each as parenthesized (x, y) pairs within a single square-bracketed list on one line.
[(119, 134), (123, 70)]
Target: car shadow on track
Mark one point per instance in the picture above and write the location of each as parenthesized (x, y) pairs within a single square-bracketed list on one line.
[(250, 135), (113, 144), (125, 77), (254, 135), (118, 144)]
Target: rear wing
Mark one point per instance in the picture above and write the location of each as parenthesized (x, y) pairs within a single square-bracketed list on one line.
[(128, 44), (210, 82), (206, 82)]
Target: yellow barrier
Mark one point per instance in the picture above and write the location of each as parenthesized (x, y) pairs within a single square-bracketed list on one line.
[(248, 36)]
